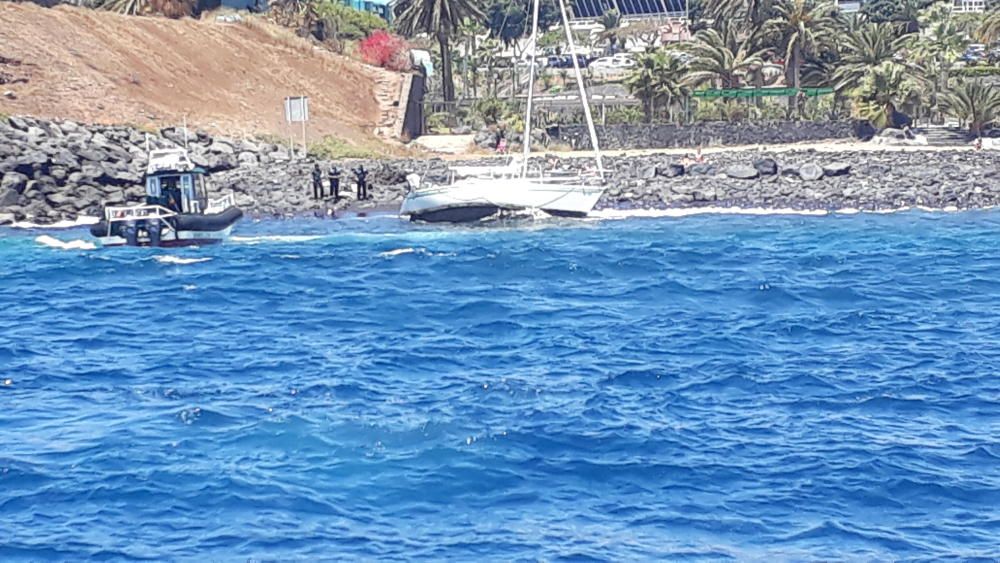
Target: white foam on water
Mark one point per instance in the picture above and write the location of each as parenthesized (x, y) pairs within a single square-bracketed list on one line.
[(273, 238), (66, 224), (689, 211), (53, 242), (168, 259), (605, 214), (398, 251), (187, 287), (408, 250)]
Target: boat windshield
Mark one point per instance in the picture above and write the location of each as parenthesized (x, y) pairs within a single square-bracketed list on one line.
[(171, 189)]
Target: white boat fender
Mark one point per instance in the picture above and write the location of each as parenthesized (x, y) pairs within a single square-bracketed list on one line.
[(413, 180)]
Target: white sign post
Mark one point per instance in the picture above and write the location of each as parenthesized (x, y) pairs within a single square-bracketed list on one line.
[(297, 110)]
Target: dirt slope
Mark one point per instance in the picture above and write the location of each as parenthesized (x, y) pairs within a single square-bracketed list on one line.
[(226, 78)]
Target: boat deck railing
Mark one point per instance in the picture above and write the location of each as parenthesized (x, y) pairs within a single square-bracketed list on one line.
[(124, 214), (221, 204)]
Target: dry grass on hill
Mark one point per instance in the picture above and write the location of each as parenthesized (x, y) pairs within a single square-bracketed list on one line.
[(100, 67)]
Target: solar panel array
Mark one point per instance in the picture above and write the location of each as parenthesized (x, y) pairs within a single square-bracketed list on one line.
[(591, 9)]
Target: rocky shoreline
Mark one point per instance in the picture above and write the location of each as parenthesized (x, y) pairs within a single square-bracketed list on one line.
[(56, 171)]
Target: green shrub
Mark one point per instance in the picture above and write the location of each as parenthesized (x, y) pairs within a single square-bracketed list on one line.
[(624, 115), (438, 122), (492, 110), (332, 148), (973, 71), (347, 23)]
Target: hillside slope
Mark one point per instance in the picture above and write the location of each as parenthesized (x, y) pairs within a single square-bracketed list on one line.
[(99, 67)]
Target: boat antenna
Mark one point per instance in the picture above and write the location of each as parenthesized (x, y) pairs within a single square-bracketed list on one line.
[(583, 92), (526, 141), (147, 142), (185, 132)]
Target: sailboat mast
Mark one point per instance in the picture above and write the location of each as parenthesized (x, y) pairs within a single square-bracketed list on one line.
[(526, 142), (583, 93)]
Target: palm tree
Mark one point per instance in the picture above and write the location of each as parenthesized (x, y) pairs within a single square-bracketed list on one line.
[(751, 12), (885, 87), (908, 12), (937, 48), (804, 28), (169, 8), (874, 73), (611, 20), (975, 102), (718, 61), (440, 19), (863, 50), (989, 31), (468, 33), (657, 79)]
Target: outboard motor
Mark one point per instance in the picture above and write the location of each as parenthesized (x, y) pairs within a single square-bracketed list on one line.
[(153, 228), (130, 231)]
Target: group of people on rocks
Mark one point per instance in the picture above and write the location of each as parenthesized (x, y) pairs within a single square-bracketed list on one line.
[(360, 176)]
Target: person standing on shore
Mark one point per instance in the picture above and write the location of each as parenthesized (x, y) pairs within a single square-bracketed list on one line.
[(362, 177), (317, 178), (335, 183)]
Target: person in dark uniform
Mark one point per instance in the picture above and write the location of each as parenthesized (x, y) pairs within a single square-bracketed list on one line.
[(362, 176), (317, 176), (335, 183)]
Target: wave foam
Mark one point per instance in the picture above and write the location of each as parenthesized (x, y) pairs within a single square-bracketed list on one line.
[(179, 260), (397, 252), (80, 221), (53, 242), (409, 250), (274, 238), (605, 214), (689, 211)]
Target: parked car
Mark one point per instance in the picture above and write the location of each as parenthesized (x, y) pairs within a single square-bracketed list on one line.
[(611, 67), (540, 62), (994, 56), (566, 61), (974, 54)]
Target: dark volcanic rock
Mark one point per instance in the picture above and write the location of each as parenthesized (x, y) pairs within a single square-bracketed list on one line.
[(670, 170), (52, 174), (837, 169), (701, 169), (766, 166), (8, 197), (742, 172), (14, 181), (790, 172), (92, 154), (810, 172)]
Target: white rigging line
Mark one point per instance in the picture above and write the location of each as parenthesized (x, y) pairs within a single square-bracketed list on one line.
[(583, 93), (526, 142)]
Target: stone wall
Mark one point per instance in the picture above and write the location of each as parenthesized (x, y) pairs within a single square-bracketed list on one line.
[(51, 171), (56, 170), (708, 134)]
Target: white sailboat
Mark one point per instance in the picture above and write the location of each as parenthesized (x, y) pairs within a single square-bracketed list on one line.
[(479, 192)]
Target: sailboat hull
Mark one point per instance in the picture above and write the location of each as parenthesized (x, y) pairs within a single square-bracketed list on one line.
[(474, 199)]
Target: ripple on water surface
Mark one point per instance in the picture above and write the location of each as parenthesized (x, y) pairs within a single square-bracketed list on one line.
[(706, 387)]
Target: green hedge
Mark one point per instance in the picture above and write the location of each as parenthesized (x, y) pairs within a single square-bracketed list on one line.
[(978, 71)]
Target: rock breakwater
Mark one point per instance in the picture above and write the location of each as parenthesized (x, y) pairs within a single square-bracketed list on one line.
[(53, 171), (708, 134)]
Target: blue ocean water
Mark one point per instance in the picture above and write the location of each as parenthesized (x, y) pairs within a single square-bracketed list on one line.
[(710, 387)]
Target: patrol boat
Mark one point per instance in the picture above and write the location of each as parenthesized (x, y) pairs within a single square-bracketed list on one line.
[(176, 210)]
